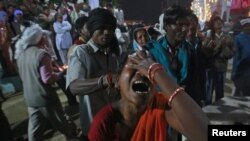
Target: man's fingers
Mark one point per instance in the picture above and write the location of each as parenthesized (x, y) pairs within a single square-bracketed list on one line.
[(142, 54), (132, 66), (135, 59)]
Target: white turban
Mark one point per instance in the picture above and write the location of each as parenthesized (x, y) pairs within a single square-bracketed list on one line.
[(79, 1), (245, 21), (30, 36)]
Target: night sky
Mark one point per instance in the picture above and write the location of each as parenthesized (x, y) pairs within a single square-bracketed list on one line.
[(146, 10)]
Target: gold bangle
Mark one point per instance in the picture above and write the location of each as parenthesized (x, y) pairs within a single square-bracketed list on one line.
[(152, 75)]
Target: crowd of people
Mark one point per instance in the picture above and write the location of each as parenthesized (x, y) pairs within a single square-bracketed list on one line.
[(133, 82)]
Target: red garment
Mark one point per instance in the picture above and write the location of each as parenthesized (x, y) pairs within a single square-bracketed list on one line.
[(78, 42), (104, 125), (151, 126)]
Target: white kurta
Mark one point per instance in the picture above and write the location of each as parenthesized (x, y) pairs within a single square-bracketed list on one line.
[(63, 39)]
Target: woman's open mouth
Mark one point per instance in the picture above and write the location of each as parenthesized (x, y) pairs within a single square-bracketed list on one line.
[(140, 87)]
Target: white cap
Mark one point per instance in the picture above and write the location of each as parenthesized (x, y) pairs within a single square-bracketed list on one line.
[(79, 1), (30, 36), (84, 13), (245, 21)]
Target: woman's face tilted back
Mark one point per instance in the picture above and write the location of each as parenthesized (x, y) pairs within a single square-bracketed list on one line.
[(134, 87)]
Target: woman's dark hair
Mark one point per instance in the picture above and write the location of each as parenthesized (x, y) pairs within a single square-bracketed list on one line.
[(213, 19), (80, 22), (122, 59)]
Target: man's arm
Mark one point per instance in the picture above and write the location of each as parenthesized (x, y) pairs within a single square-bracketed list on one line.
[(46, 70)]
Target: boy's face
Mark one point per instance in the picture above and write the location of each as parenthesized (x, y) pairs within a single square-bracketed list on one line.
[(103, 36), (192, 29)]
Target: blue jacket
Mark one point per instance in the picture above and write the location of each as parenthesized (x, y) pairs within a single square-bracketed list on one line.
[(241, 60), (159, 49)]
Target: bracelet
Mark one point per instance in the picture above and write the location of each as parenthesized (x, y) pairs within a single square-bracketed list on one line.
[(153, 69), (174, 94), (150, 69)]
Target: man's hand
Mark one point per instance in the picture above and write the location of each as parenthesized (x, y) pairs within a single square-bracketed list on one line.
[(140, 61)]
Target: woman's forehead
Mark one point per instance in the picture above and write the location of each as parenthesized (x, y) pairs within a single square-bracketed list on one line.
[(141, 32)]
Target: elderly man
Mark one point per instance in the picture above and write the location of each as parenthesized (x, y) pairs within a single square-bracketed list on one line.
[(92, 67), (35, 69)]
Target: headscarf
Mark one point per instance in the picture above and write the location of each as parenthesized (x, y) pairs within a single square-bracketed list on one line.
[(139, 29), (245, 21), (99, 18), (30, 36), (3, 16), (18, 12), (136, 45)]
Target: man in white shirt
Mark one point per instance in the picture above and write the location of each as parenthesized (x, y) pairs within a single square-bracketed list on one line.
[(119, 15)]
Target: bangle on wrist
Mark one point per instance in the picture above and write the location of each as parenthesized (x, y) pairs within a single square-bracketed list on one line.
[(153, 69), (174, 94), (157, 69), (150, 69)]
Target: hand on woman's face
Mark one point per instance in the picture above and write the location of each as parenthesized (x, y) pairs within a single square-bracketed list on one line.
[(133, 82), (141, 62)]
